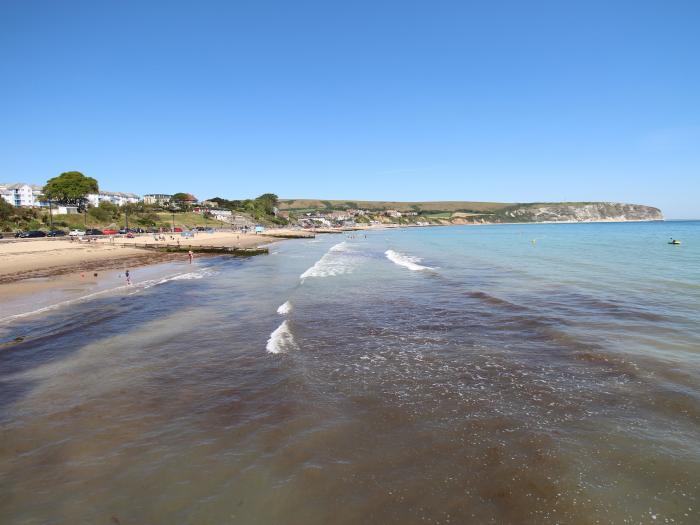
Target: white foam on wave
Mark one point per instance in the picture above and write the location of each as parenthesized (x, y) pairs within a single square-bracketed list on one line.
[(332, 263), (285, 308), (407, 261), (281, 340), (145, 285), (186, 276)]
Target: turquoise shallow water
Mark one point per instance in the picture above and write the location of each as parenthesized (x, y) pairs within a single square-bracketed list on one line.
[(490, 374)]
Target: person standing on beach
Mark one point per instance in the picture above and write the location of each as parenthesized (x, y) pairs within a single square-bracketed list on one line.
[(128, 277), (190, 255)]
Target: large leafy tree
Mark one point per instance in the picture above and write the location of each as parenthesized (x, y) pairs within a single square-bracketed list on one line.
[(105, 212), (70, 188), (267, 202)]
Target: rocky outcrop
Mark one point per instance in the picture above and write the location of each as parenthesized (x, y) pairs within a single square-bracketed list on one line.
[(579, 212)]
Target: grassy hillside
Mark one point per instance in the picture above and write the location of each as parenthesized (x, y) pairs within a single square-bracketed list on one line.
[(436, 206), (158, 219)]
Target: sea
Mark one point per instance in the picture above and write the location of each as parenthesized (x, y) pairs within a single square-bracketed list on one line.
[(496, 374)]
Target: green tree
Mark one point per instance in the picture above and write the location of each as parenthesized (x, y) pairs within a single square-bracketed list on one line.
[(70, 188), (267, 203), (13, 218), (227, 204), (7, 210), (105, 212)]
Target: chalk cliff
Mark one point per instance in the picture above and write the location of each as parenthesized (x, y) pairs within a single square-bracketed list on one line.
[(577, 212)]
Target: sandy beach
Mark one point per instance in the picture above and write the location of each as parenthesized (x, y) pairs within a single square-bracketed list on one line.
[(34, 265), (24, 259), (43, 257)]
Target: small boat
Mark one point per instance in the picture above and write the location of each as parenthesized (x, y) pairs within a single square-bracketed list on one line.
[(674, 241)]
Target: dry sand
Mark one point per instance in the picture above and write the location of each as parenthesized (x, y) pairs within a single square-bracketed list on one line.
[(42, 257), (31, 258)]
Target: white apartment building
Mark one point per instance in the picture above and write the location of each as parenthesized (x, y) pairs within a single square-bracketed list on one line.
[(115, 197), (21, 194), (157, 198)]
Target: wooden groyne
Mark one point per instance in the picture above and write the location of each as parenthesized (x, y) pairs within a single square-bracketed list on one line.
[(289, 235), (185, 248)]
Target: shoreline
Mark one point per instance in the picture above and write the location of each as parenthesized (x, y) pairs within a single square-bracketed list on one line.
[(57, 261), (44, 258)]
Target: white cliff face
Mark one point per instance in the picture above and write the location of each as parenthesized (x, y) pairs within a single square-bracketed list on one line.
[(586, 212)]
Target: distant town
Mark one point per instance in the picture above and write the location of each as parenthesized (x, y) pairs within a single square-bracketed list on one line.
[(108, 207), (26, 206)]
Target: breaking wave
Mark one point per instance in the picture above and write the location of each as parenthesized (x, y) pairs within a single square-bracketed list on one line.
[(407, 261), (281, 339), (285, 308), (332, 263)]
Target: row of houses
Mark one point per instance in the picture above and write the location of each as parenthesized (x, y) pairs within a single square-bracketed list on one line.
[(21, 194), (117, 198)]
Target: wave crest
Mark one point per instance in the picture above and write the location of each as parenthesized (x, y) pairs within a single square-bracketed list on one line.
[(332, 263), (285, 308), (281, 340), (407, 261)]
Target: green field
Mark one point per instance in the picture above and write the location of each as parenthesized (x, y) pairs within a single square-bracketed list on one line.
[(438, 215)]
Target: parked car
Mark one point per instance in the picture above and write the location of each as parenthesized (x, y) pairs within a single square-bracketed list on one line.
[(123, 231), (77, 233), (56, 233), (177, 230), (110, 232), (93, 231), (32, 234)]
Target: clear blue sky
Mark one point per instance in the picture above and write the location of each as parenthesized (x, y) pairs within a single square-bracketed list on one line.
[(498, 101)]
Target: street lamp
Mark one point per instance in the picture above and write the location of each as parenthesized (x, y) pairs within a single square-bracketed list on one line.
[(126, 215)]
